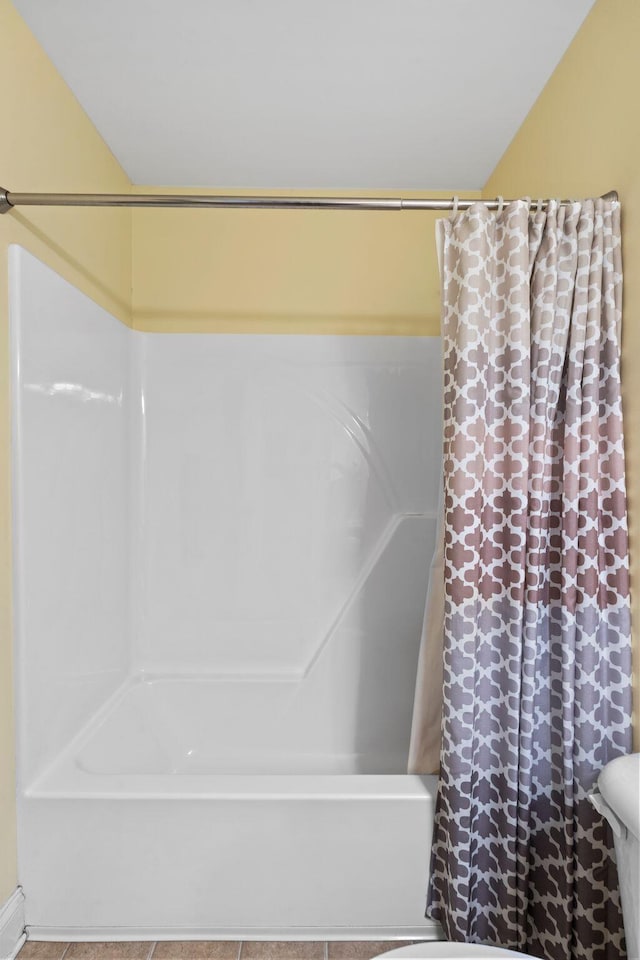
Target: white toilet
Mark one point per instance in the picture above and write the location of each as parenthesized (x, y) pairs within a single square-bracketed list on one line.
[(618, 799)]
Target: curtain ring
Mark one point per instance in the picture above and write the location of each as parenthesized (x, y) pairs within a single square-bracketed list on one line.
[(539, 205), (500, 206), (454, 209)]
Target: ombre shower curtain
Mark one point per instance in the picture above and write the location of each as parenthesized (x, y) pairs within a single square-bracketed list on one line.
[(532, 609)]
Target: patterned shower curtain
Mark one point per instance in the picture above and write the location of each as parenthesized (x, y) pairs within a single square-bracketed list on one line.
[(537, 658)]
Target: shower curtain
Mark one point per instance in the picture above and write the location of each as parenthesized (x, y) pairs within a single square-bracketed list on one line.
[(532, 613)]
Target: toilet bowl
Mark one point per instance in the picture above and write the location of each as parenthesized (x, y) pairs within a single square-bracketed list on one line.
[(618, 799), (443, 950)]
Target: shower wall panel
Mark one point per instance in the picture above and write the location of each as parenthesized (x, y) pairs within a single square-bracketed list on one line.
[(288, 496), (70, 502), (278, 471), (254, 514)]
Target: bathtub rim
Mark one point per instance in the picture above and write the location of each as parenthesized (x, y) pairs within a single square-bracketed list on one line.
[(65, 781)]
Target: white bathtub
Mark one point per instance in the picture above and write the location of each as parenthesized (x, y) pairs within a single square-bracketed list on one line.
[(221, 551), (139, 830)]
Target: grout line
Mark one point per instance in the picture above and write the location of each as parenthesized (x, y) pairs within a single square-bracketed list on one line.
[(65, 951), (239, 950), (152, 949), (326, 950)]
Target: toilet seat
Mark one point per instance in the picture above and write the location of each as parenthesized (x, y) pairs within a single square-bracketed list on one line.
[(444, 950)]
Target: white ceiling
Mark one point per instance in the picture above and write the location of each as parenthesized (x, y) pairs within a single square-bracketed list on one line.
[(306, 93)]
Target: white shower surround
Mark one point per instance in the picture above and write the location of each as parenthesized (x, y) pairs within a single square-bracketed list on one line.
[(221, 548)]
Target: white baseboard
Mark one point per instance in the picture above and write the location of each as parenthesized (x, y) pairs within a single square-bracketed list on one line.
[(426, 931), (12, 932)]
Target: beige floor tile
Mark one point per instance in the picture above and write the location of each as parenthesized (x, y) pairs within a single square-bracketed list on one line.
[(196, 950), (361, 949), (42, 950), (282, 950), (123, 950)]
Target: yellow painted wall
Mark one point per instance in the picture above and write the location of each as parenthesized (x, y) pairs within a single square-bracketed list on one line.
[(283, 271), (582, 138), (46, 143)]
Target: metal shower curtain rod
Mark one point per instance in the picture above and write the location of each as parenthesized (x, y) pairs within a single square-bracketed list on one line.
[(9, 200)]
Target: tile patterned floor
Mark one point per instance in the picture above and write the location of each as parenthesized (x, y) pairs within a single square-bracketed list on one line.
[(209, 950)]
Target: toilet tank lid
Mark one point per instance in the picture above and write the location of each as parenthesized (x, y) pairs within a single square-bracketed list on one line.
[(619, 784)]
